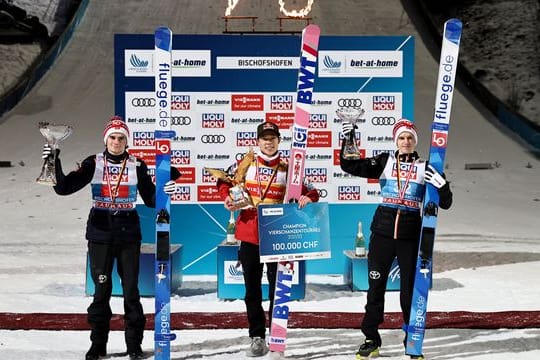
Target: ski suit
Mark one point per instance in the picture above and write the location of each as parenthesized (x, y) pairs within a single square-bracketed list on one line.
[(395, 228), (266, 182)]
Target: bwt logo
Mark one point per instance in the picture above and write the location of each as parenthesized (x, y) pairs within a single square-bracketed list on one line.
[(318, 121), (349, 193), (183, 193), (143, 138), (246, 138), (316, 175), (281, 102), (180, 102), (213, 120), (404, 171), (385, 102), (207, 178), (300, 138), (180, 157)]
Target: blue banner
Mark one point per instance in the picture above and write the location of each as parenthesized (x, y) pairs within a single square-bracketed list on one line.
[(289, 233)]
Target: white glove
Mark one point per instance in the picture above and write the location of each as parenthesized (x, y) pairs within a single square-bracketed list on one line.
[(47, 151), (346, 127), (170, 187), (434, 178)]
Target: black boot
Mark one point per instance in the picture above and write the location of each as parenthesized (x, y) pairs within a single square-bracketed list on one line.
[(96, 350), (135, 352)]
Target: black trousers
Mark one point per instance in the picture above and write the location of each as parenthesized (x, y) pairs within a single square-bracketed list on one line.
[(253, 272), (382, 251), (99, 312)]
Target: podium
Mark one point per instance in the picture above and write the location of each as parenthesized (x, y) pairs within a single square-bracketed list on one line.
[(356, 273), (146, 272), (231, 279)]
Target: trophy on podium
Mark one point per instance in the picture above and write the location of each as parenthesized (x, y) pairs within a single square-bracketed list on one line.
[(350, 114), (54, 134)]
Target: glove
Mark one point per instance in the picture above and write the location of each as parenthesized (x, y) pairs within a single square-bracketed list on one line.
[(170, 187), (434, 178), (47, 151), (346, 127)]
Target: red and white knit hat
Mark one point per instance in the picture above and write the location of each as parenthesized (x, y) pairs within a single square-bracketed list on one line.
[(404, 125), (115, 125)]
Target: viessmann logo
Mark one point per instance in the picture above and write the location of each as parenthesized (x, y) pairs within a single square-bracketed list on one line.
[(249, 102)]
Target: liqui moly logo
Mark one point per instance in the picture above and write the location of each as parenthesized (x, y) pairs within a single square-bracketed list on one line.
[(284, 154), (316, 175), (207, 178), (281, 102), (213, 120), (113, 175), (180, 102), (349, 193), (180, 157), (143, 138), (404, 170), (183, 193), (384, 102), (246, 138), (318, 121), (264, 174), (152, 173)]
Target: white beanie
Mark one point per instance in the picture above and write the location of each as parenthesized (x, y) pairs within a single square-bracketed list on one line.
[(115, 125), (404, 125)]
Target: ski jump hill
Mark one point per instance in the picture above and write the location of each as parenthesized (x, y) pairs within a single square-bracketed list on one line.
[(490, 206)]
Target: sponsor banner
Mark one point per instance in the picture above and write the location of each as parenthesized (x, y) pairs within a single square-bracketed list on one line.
[(289, 233), (206, 193), (247, 102), (282, 120), (387, 64), (191, 63), (188, 175), (138, 63), (257, 62), (234, 274)]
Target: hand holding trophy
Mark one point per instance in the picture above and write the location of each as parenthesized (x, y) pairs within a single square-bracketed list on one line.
[(351, 116), (240, 197), (54, 134)]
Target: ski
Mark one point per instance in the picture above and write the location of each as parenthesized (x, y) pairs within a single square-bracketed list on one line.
[(295, 178), (162, 136), (439, 138)]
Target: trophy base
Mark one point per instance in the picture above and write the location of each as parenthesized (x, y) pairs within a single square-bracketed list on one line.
[(351, 156), (45, 182)]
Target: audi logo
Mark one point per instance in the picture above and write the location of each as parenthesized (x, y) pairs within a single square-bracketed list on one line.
[(213, 139), (375, 275), (143, 102), (322, 193), (349, 102), (180, 120), (383, 120)]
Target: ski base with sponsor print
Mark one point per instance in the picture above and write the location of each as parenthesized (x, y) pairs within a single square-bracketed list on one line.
[(295, 179), (441, 121), (162, 136)]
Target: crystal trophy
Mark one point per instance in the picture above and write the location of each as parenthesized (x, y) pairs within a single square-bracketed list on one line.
[(54, 135), (350, 114)]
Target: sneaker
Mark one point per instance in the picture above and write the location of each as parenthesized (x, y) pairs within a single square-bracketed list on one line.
[(96, 350), (257, 348), (367, 350)]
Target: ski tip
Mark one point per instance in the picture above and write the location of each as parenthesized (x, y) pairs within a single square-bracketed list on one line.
[(312, 29), (452, 30), (163, 37)]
